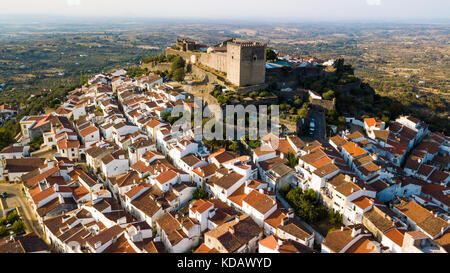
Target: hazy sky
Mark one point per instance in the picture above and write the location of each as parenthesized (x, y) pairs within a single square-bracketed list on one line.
[(222, 9)]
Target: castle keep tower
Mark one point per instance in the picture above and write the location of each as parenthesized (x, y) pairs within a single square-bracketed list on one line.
[(246, 63)]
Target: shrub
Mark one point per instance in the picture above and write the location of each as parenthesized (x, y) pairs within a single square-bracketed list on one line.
[(18, 227), (12, 217), (3, 231)]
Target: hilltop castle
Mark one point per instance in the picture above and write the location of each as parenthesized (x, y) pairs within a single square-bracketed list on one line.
[(243, 61)]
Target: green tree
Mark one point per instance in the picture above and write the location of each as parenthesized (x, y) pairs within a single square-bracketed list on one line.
[(306, 205), (298, 102), (270, 55), (335, 218), (302, 112), (292, 160), (178, 74), (234, 146), (328, 95), (3, 231), (200, 194), (385, 119), (178, 62), (18, 227), (12, 217)]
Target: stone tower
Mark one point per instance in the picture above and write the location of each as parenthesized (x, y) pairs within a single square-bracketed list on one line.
[(246, 63)]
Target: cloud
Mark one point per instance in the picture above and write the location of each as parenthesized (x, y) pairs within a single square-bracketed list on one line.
[(373, 2), (73, 3)]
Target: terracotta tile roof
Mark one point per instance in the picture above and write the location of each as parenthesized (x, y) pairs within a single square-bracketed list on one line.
[(206, 170), (276, 218), (243, 230), (444, 240), (88, 130), (140, 167), (203, 248), (379, 218), (338, 239), (135, 190), (221, 156), (201, 206), (12, 149), (23, 165), (270, 164), (105, 235), (322, 162), (363, 245), (261, 202), (369, 168), (353, 149), (338, 141), (146, 203), (190, 160), (269, 242), (41, 176), (166, 176), (313, 156), (362, 202), (121, 245), (68, 144), (296, 141), (171, 226), (284, 147), (425, 170), (43, 194), (294, 228), (395, 235), (326, 169), (238, 195), (80, 192), (127, 179), (228, 180), (263, 150), (423, 218), (355, 135)]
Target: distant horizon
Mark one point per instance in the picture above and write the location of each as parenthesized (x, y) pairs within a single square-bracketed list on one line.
[(289, 11), (67, 19)]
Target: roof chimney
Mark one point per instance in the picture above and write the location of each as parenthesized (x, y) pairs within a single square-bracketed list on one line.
[(231, 230), (97, 244)]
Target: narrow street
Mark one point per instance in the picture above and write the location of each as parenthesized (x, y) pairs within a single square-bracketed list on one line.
[(16, 198)]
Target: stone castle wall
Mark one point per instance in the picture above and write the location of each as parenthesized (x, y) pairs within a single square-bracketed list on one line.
[(217, 61), (244, 62)]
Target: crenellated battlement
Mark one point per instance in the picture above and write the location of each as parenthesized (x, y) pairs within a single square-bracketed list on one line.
[(244, 62)]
